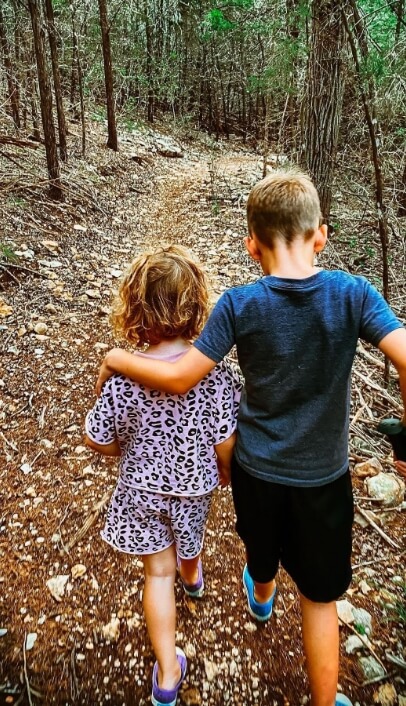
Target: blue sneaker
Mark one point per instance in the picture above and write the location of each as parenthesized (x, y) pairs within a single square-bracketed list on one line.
[(342, 700), (168, 697), (259, 611)]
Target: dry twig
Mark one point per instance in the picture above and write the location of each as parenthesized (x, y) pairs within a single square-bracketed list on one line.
[(364, 641), (376, 528), (89, 522)]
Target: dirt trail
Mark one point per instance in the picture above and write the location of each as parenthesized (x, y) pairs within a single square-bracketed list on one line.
[(51, 483)]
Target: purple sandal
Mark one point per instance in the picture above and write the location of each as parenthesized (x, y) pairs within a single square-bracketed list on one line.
[(168, 697)]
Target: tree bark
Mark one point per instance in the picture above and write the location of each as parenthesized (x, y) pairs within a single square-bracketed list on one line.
[(46, 100), (63, 151), (11, 83), (322, 106), (108, 77)]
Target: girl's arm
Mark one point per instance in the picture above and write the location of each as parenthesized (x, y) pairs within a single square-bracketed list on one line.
[(176, 378), (112, 449), (224, 453)]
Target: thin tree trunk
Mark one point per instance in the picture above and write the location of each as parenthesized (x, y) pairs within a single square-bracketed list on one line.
[(108, 77), (369, 112), (150, 80), (11, 83), (46, 100), (323, 99), (32, 95), (63, 151)]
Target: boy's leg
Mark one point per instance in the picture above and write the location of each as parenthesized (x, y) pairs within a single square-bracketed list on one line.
[(160, 613), (321, 646), (258, 525)]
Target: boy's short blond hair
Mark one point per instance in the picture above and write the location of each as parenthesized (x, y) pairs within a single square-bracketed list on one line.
[(284, 205), (163, 295)]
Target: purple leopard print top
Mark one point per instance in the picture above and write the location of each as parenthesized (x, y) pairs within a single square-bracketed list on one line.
[(167, 441)]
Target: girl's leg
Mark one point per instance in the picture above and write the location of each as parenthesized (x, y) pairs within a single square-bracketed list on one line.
[(321, 646), (160, 613), (188, 570)]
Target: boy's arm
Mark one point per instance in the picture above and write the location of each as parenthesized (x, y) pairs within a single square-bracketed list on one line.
[(401, 468), (224, 453), (112, 449), (176, 378), (394, 347)]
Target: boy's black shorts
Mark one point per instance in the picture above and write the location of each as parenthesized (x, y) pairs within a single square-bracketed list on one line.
[(307, 530)]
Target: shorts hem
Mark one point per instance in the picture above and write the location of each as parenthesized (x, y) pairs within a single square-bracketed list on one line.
[(134, 553)]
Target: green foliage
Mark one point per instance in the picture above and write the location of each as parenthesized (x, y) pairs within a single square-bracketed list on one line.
[(7, 253), (99, 114), (217, 22), (360, 628)]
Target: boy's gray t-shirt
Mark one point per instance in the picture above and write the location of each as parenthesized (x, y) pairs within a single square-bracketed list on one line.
[(296, 341)]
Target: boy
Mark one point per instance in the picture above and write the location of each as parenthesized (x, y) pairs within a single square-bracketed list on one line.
[(296, 331)]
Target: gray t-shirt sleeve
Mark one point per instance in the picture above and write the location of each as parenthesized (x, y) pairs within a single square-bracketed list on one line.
[(218, 336), (377, 318)]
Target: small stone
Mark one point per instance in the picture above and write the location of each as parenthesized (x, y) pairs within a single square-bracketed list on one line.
[(3, 631), (57, 586), (368, 468), (93, 294), (250, 627), (101, 346), (80, 449), (353, 643), (211, 669), (191, 697), (364, 587), (345, 611), (371, 668), (363, 620), (190, 650), (78, 570), (26, 468), (30, 640), (80, 657), (111, 631), (386, 487), (5, 309), (41, 328), (386, 695)]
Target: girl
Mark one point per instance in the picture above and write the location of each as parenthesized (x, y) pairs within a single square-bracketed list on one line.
[(173, 449)]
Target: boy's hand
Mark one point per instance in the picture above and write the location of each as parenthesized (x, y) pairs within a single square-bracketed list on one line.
[(224, 476), (105, 372), (401, 468)]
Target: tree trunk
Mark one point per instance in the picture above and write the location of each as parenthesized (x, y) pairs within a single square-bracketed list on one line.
[(57, 80), (321, 110), (108, 77), (46, 100), (150, 79), (402, 196), (11, 83)]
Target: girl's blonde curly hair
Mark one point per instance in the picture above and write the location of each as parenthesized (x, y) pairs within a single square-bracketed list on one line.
[(163, 295)]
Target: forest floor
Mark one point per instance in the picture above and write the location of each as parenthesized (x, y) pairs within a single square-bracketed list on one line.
[(87, 644)]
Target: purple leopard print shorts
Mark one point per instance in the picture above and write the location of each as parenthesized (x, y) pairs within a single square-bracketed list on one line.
[(141, 522)]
